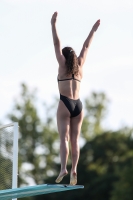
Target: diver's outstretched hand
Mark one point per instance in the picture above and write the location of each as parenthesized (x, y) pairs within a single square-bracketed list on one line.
[(96, 25), (54, 18)]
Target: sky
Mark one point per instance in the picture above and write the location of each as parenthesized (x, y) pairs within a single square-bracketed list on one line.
[(27, 53)]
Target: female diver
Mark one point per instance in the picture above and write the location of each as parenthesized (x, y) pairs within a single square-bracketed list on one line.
[(69, 112)]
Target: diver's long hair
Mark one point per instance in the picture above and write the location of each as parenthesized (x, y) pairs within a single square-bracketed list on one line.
[(71, 60)]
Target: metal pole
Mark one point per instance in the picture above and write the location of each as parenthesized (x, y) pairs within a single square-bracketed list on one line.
[(15, 156)]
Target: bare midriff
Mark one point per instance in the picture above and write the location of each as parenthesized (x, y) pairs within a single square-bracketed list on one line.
[(69, 88)]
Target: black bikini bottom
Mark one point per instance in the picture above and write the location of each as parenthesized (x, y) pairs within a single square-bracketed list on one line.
[(74, 106)]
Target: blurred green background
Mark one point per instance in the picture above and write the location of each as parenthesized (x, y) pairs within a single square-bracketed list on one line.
[(106, 159)]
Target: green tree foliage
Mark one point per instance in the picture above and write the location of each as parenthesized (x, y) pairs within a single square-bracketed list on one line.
[(105, 162), (5, 173), (6, 148), (101, 158), (123, 188), (37, 139), (102, 169), (95, 112)]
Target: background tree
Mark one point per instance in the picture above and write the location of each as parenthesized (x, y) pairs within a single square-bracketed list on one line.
[(6, 148), (123, 187), (5, 175), (37, 139), (95, 112), (103, 160), (106, 157)]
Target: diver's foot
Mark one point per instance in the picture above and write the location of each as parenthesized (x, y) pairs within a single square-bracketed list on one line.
[(73, 178), (61, 176)]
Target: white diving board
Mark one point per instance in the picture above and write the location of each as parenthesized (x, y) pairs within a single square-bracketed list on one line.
[(36, 190)]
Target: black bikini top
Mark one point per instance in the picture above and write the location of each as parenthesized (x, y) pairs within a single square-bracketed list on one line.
[(66, 79)]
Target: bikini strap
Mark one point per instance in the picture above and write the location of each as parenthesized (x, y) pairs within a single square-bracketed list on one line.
[(75, 78), (68, 79)]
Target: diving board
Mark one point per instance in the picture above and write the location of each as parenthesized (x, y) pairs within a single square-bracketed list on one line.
[(36, 190)]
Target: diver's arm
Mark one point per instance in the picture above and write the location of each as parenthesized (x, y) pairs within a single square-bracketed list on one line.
[(56, 40), (87, 43)]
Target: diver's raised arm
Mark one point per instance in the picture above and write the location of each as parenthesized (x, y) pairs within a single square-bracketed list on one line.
[(87, 43), (56, 40)]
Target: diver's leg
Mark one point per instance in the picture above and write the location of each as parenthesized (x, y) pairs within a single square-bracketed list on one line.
[(75, 128), (63, 123)]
